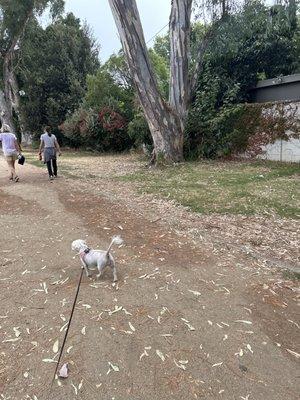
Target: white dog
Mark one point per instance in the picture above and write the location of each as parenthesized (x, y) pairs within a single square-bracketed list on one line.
[(96, 258)]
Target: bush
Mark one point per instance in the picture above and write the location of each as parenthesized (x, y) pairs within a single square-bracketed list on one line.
[(245, 128), (139, 132), (85, 129)]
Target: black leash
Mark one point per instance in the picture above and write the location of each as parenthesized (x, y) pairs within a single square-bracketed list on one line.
[(67, 331)]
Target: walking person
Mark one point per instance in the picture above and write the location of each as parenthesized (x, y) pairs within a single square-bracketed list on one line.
[(50, 146), (11, 150)]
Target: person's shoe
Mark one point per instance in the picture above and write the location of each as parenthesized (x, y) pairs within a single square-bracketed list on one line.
[(51, 177), (16, 179)]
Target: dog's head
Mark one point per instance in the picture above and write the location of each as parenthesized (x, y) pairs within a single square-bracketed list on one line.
[(78, 245)]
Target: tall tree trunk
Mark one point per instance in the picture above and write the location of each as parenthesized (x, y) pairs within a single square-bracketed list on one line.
[(164, 121), (5, 115), (11, 98), (12, 95), (7, 80), (180, 27)]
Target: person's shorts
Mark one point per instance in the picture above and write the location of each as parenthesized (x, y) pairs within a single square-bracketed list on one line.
[(11, 157)]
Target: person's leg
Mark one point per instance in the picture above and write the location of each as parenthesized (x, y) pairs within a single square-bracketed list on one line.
[(49, 167), (13, 164), (11, 167), (54, 163)]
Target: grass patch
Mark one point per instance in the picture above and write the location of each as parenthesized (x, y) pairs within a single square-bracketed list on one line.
[(32, 158), (226, 187)]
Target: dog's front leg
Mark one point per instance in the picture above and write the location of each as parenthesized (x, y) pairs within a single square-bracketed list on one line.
[(83, 265)]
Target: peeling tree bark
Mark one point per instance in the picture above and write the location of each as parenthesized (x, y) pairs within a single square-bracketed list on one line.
[(5, 115), (164, 122), (10, 98), (180, 27), (12, 93)]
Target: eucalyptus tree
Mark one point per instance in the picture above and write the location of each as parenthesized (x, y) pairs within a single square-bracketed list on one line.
[(166, 120), (14, 17)]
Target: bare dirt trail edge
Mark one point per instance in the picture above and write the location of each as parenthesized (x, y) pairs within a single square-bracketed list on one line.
[(181, 323)]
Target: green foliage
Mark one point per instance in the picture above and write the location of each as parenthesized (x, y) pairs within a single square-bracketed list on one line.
[(59, 72), (161, 70), (112, 87), (162, 47), (103, 91), (138, 130), (256, 42), (116, 66), (14, 14), (54, 64), (84, 129)]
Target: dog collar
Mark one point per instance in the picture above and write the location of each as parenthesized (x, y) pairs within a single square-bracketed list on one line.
[(83, 253)]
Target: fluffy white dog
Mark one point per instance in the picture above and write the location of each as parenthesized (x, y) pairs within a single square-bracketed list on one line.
[(96, 258)]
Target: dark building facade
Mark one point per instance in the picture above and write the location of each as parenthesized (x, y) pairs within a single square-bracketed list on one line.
[(283, 88)]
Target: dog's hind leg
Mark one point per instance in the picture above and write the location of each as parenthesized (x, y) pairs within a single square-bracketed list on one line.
[(112, 264), (100, 267)]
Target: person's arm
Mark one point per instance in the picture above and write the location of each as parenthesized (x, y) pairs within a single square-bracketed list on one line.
[(57, 146), (18, 147), (41, 146)]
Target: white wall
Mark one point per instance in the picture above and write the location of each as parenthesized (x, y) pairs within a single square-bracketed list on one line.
[(283, 150)]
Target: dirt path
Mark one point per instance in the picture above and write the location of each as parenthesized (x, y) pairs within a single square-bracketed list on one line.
[(182, 322)]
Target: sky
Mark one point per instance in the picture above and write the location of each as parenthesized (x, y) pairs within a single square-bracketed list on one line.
[(154, 15)]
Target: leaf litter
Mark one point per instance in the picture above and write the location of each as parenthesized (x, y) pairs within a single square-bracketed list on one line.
[(160, 355), (64, 371), (55, 346)]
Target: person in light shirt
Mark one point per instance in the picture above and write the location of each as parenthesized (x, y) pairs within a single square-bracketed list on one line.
[(11, 150), (50, 146)]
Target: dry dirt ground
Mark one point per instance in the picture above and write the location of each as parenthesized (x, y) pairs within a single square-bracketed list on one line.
[(200, 311)]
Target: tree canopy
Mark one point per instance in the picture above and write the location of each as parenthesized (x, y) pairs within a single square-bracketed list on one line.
[(53, 67)]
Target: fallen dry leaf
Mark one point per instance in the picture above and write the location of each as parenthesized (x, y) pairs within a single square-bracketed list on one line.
[(297, 355), (160, 355), (63, 372), (55, 346)]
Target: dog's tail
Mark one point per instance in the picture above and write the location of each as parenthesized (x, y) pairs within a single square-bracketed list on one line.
[(115, 240)]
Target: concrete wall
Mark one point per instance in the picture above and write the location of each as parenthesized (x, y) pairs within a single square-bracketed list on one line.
[(283, 150), (284, 90)]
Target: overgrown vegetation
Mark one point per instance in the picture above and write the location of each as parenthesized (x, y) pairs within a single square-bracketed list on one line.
[(259, 42)]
